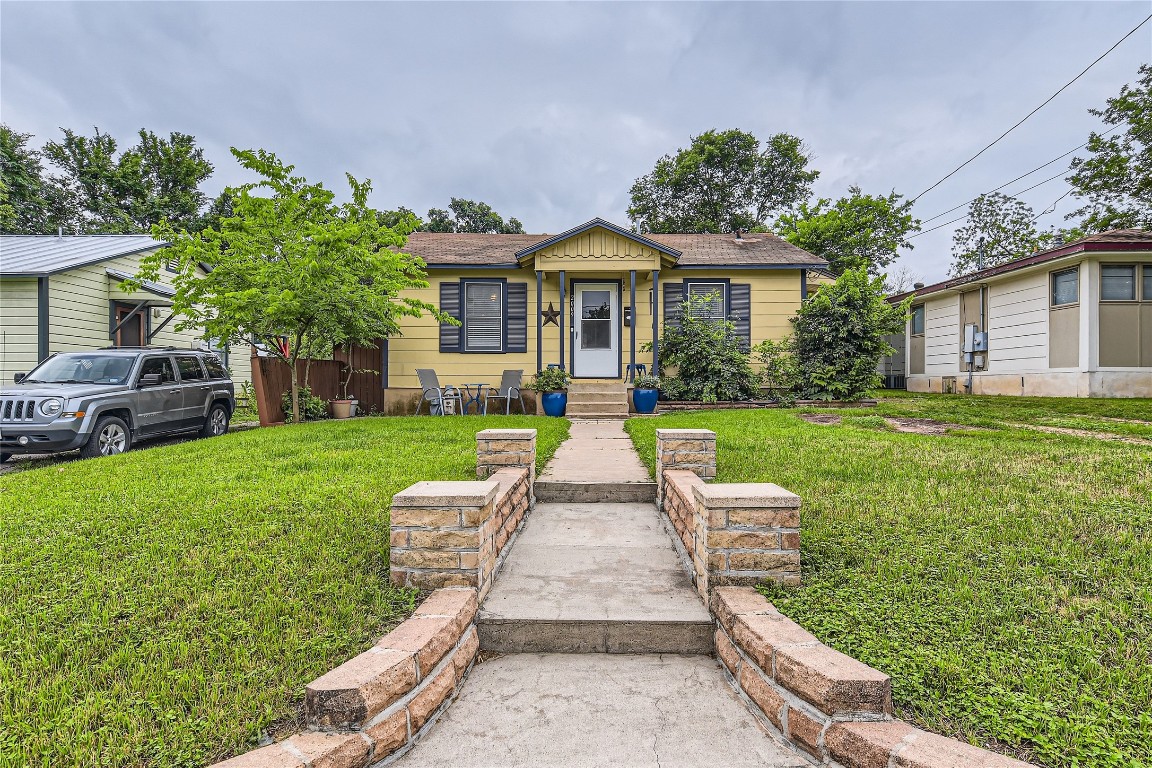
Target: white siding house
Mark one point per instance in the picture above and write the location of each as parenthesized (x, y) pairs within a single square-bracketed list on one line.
[(1074, 321), (62, 294)]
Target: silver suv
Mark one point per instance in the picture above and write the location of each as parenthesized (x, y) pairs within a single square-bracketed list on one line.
[(104, 401)]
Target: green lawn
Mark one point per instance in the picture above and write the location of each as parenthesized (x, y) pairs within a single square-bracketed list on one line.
[(166, 607), (1002, 577)]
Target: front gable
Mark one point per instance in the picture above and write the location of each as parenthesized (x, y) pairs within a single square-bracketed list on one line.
[(598, 246)]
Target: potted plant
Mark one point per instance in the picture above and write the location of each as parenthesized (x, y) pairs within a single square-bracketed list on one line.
[(552, 384), (345, 407), (645, 392)]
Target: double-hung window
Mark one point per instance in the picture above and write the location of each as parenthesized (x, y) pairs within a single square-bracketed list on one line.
[(1118, 282), (483, 316), (717, 308), (1066, 287)]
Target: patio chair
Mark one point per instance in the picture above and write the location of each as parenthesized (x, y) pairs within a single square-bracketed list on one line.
[(441, 400), (509, 388)]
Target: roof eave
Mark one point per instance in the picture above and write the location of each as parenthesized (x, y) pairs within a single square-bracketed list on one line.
[(523, 253)]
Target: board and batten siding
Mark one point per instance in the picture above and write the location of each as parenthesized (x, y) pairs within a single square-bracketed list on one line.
[(1018, 324), (78, 313), (941, 334), (18, 326)]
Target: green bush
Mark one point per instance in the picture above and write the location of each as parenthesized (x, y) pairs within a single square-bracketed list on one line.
[(710, 364), (312, 408), (646, 381), (550, 380)]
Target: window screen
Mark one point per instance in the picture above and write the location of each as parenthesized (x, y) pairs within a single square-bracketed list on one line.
[(1065, 287), (917, 320), (1117, 282), (715, 309), (483, 317)]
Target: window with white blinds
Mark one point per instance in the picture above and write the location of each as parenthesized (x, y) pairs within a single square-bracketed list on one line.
[(712, 310), (483, 317)]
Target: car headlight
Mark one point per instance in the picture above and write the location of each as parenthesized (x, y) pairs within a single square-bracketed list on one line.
[(51, 406)]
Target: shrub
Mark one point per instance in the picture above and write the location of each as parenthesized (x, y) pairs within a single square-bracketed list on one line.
[(550, 380), (312, 408), (710, 364), (646, 381)]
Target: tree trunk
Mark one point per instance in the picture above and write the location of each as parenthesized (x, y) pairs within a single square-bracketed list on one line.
[(295, 395)]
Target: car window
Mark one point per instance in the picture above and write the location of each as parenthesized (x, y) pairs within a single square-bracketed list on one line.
[(215, 369), (190, 369), (160, 365)]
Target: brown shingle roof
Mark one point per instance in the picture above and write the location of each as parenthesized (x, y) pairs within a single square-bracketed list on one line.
[(696, 250)]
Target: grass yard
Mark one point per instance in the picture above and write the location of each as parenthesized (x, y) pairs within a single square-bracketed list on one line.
[(167, 607), (1001, 577)]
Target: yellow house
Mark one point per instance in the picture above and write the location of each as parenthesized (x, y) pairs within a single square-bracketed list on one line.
[(587, 300)]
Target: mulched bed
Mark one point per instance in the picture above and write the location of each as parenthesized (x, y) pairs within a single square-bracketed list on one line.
[(695, 405)]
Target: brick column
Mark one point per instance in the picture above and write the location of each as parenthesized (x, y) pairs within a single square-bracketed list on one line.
[(690, 449), (439, 533), (752, 533), (498, 449)]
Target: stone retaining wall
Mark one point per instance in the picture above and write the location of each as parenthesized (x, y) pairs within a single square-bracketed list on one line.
[(452, 533), (734, 533), (378, 703), (833, 707)]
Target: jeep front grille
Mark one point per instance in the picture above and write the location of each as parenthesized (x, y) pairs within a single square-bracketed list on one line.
[(17, 410)]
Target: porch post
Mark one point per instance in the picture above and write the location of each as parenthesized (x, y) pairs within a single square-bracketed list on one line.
[(655, 321), (539, 320), (632, 322), (563, 311)]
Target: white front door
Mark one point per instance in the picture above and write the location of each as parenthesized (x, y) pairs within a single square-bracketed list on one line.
[(596, 330)]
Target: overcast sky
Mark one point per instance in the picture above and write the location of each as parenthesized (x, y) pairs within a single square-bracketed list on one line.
[(549, 111)]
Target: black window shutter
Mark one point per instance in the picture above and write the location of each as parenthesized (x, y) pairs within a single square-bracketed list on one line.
[(450, 305), (740, 311), (673, 297), (516, 317)]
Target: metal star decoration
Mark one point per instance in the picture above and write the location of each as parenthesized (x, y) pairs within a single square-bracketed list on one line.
[(551, 315)]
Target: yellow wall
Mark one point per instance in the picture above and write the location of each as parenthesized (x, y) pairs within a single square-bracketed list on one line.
[(775, 296), (596, 250)]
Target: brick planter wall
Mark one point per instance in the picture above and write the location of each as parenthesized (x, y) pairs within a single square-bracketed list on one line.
[(378, 703), (825, 703), (734, 533), (452, 533)]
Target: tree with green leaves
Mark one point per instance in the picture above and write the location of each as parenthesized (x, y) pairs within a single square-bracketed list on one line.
[(24, 206), (290, 263), (471, 216), (106, 192), (723, 181), (856, 231), (1115, 183), (837, 340), (999, 229)]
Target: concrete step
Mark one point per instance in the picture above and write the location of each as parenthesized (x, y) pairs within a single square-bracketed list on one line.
[(617, 416), (597, 387), (579, 408), (593, 492), (595, 636)]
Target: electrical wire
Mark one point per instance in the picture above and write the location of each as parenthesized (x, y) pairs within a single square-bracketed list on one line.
[(961, 218), (1034, 111)]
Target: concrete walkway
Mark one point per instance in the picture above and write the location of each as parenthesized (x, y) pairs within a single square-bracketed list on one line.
[(610, 644)]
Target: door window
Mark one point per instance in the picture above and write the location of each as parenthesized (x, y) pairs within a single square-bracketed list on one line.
[(160, 365), (595, 319), (190, 368)]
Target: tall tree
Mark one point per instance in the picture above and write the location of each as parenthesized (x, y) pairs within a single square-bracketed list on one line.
[(470, 216), (24, 207), (157, 179), (856, 231), (289, 263), (999, 229), (1116, 181), (723, 181)]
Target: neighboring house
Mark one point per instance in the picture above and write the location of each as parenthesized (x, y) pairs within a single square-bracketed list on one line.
[(1072, 321), (62, 294), (588, 299)]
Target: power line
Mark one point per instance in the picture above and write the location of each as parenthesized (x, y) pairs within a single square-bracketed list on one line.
[(1034, 111), (961, 218), (1021, 176)]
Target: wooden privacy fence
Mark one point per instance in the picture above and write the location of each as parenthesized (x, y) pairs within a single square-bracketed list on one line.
[(272, 378)]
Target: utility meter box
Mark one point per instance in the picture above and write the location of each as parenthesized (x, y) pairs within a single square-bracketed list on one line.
[(974, 340)]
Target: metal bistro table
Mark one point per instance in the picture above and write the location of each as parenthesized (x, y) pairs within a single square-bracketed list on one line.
[(474, 397)]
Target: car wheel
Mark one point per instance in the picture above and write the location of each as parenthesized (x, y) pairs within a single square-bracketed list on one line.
[(111, 436), (217, 422)]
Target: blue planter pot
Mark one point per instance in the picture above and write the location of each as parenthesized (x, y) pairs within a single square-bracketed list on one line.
[(554, 403), (645, 400)]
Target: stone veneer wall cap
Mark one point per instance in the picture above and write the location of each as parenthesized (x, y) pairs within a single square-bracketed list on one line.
[(745, 495), (506, 434), (685, 434), (447, 493)]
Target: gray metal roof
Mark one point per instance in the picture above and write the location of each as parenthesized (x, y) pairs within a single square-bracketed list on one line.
[(39, 255)]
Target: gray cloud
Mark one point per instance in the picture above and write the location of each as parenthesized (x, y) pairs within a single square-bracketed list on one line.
[(549, 111)]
